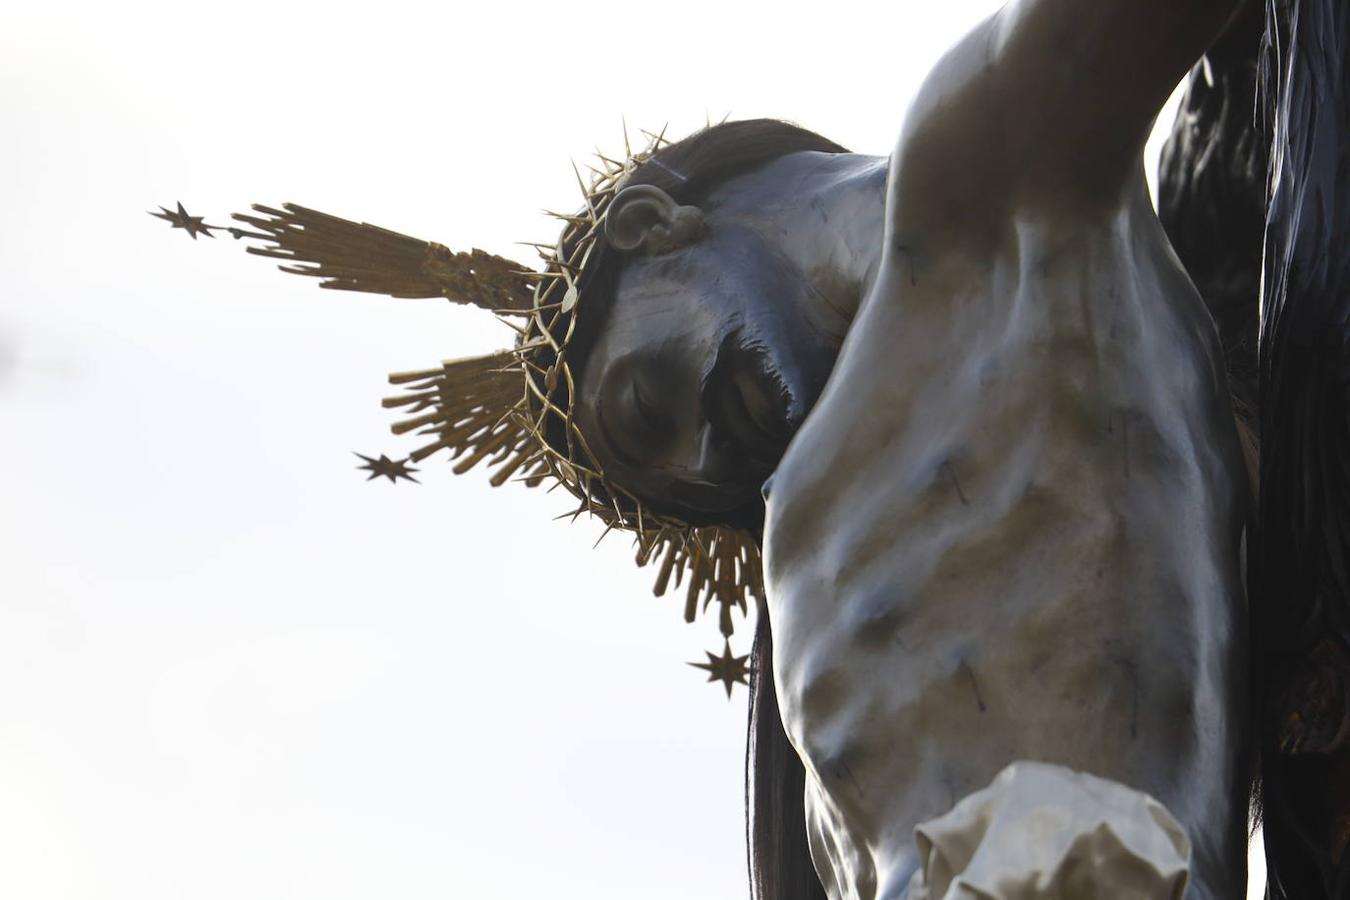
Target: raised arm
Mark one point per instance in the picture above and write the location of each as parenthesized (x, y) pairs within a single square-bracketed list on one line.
[(1050, 100)]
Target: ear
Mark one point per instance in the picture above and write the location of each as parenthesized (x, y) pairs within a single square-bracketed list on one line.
[(645, 219)]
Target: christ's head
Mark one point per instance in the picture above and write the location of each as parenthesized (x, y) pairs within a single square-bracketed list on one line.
[(732, 265)]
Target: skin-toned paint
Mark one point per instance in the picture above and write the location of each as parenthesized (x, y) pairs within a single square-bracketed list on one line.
[(1010, 527)]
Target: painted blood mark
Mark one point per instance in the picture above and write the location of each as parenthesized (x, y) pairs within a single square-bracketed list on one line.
[(974, 685), (956, 482), (843, 770), (1124, 437), (1125, 441), (1132, 676)]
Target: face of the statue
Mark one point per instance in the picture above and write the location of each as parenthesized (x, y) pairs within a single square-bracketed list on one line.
[(712, 353)]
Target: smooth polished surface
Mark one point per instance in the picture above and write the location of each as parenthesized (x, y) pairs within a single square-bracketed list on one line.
[(1011, 527)]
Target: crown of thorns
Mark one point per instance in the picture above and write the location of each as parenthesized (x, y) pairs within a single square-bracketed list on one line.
[(512, 410)]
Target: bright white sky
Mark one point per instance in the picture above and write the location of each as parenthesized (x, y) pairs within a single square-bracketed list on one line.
[(228, 666)]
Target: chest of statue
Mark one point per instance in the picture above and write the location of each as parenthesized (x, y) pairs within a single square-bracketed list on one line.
[(1009, 530)]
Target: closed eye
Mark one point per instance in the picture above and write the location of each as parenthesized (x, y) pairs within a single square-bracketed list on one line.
[(650, 413), (635, 426), (617, 439)]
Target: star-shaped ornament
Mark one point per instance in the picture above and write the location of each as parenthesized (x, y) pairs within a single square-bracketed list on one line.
[(726, 668), (389, 468), (179, 218)]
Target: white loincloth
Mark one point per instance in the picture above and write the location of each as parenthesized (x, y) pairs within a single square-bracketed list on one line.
[(1043, 831)]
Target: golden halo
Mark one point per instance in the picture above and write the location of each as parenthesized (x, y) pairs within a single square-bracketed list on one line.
[(513, 409)]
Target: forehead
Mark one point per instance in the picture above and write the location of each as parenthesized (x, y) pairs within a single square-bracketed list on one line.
[(729, 276), (665, 302), (684, 304)]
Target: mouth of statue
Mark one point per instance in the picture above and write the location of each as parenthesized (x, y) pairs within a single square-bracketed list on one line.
[(706, 497)]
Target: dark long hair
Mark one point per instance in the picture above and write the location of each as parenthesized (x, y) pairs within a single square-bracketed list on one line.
[(1277, 90), (1254, 186), (775, 783), (1302, 618), (1212, 203)]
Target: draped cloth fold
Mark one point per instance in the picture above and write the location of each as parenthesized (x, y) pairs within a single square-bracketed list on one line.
[(1041, 831)]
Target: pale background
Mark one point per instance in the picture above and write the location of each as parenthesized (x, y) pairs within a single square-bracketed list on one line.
[(229, 668)]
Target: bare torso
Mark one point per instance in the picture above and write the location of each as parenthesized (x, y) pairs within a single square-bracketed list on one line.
[(1010, 529)]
